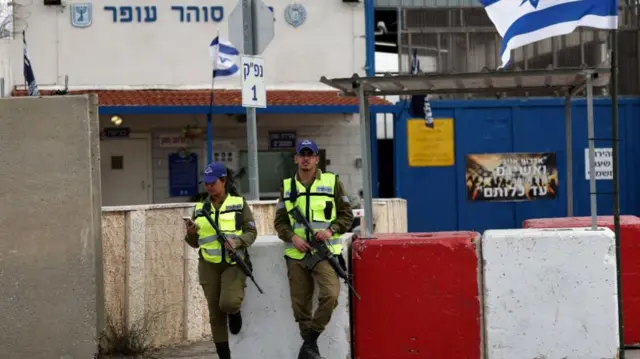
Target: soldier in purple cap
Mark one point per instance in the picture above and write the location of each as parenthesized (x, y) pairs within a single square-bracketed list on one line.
[(222, 281)]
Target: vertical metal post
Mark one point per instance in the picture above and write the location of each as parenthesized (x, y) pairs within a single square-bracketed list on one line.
[(616, 184), (365, 149), (592, 155), (1, 87), (569, 153), (209, 139), (399, 38), (249, 8)]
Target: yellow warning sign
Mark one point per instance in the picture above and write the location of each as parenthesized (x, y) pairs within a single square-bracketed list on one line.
[(430, 147)]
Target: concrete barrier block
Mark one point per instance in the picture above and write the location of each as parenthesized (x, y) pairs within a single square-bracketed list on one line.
[(420, 296), (269, 330), (51, 282), (630, 266), (550, 293)]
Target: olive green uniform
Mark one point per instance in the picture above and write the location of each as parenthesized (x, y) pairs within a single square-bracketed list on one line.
[(301, 280), (224, 284)]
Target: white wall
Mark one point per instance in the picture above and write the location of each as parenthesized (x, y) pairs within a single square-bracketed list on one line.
[(338, 134), (172, 53), (6, 47)]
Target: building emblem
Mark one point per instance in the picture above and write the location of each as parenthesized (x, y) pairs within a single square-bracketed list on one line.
[(295, 14), (81, 15)]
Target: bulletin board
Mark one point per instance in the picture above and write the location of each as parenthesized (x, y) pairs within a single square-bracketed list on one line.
[(430, 147)]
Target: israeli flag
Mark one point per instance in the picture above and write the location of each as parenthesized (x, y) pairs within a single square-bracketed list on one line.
[(522, 22), (27, 70), (225, 58)]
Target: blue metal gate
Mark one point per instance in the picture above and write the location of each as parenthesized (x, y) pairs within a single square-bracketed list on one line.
[(436, 196)]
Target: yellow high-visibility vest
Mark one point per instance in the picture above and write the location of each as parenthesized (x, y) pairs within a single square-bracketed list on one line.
[(229, 221), (318, 205)]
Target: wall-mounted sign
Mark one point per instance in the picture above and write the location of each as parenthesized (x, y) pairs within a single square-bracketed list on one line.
[(81, 15), (280, 140), (117, 132), (184, 13), (295, 14), (183, 174), (430, 147), (174, 141), (508, 177), (604, 163)]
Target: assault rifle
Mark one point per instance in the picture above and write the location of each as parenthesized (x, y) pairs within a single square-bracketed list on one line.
[(322, 251), (222, 238)]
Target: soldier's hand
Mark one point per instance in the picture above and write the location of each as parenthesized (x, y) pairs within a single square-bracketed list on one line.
[(192, 228), (300, 244), (324, 235), (230, 245)]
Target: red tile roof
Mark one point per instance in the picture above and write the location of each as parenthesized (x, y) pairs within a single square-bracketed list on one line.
[(221, 97)]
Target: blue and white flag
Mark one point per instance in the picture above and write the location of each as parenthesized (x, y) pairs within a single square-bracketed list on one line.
[(420, 105), (522, 22), (225, 58), (29, 77)]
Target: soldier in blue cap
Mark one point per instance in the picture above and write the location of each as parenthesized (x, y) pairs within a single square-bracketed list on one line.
[(322, 199), (222, 281)]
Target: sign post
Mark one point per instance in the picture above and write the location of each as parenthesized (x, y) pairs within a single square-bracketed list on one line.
[(252, 20)]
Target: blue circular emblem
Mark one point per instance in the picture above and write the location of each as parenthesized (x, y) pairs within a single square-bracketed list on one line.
[(295, 14)]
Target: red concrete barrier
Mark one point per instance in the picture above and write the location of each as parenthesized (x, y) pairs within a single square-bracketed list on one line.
[(419, 296), (630, 268)]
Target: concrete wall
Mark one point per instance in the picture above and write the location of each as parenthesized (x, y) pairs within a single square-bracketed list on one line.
[(6, 48), (50, 253), (171, 52), (337, 134), (151, 273)]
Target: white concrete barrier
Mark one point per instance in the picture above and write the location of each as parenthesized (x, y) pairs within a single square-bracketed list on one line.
[(268, 329), (550, 293)]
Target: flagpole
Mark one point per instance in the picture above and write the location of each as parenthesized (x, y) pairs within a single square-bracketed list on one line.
[(616, 187), (210, 114)]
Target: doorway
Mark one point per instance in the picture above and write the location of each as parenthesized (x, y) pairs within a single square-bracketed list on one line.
[(126, 171)]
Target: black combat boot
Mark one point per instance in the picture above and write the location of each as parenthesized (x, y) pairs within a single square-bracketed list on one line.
[(235, 323), (309, 349), (223, 350)]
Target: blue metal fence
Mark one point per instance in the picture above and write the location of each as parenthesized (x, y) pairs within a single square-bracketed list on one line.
[(436, 196)]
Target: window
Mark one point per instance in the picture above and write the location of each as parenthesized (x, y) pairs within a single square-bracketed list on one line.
[(117, 162), (273, 166)]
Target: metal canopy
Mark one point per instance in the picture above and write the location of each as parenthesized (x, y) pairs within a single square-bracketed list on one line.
[(549, 81), (557, 82)]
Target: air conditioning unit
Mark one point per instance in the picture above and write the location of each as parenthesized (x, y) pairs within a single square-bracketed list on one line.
[(52, 2)]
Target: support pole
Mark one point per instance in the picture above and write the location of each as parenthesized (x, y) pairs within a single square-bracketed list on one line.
[(616, 187), (209, 139), (365, 149), (249, 28), (569, 154), (592, 154)]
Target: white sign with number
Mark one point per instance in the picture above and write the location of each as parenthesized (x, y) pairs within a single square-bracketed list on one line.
[(603, 161), (254, 91)]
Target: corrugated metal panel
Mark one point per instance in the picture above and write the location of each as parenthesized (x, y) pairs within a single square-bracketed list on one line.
[(427, 3)]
